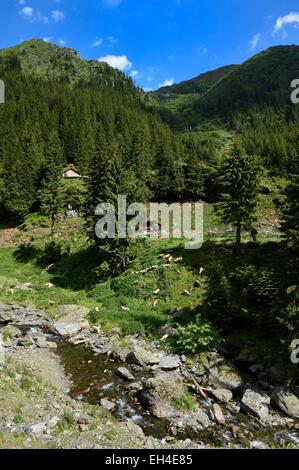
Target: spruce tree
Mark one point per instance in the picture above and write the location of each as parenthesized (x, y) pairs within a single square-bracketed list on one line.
[(50, 195), (240, 179)]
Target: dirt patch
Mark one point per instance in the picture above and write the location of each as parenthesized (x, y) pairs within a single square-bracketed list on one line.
[(46, 364)]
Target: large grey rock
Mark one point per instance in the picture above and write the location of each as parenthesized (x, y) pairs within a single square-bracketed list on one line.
[(125, 374), (12, 331), (222, 395), (170, 362), (159, 392), (5, 316), (225, 376), (142, 357), (167, 330), (107, 404), (286, 402), (73, 321), (256, 404)]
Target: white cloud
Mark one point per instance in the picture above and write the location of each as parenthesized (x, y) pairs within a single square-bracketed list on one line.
[(167, 82), (117, 62), (112, 40), (45, 19), (202, 50), (135, 73), (61, 42), (21, 2), (47, 39), (147, 90), (254, 42), (97, 43), (27, 12), (112, 3), (291, 18), (57, 15)]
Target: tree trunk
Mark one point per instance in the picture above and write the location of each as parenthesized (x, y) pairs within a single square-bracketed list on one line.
[(238, 239), (53, 220)]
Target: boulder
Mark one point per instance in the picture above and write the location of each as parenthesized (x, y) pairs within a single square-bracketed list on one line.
[(170, 362), (142, 357), (225, 376), (256, 404), (12, 330), (5, 316), (222, 395), (125, 374), (286, 402), (107, 404), (166, 330), (158, 394), (73, 321)]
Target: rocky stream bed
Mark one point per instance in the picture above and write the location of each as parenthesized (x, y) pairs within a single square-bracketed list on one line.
[(105, 390)]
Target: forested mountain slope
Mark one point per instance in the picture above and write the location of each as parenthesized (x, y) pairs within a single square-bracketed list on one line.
[(254, 100)]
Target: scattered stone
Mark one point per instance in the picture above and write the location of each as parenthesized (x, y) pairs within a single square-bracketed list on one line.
[(222, 395), (170, 362), (5, 317), (197, 284), (226, 377), (256, 404), (158, 394), (83, 427), (41, 343), (125, 309), (13, 331), (134, 388), (125, 374), (39, 428), (156, 292), (53, 422), (166, 330), (218, 414), (107, 404), (236, 431), (286, 402), (142, 357), (176, 314), (73, 321), (187, 293), (26, 342)]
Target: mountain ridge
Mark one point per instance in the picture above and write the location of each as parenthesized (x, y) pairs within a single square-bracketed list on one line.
[(52, 62)]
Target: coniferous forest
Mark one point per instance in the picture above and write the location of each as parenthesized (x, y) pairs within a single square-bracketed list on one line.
[(165, 347)]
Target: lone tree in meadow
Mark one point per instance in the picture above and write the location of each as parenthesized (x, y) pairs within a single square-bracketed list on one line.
[(240, 182)]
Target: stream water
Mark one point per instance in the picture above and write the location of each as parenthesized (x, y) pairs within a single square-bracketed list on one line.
[(94, 377)]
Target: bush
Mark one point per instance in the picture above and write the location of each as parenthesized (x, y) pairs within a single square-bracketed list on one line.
[(197, 337)]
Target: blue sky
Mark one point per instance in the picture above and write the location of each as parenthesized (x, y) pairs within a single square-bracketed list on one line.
[(155, 41)]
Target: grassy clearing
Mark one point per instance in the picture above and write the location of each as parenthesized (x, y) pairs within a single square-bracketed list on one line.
[(129, 301)]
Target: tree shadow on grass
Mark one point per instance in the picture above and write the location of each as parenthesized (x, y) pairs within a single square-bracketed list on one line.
[(74, 271), (77, 271)]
